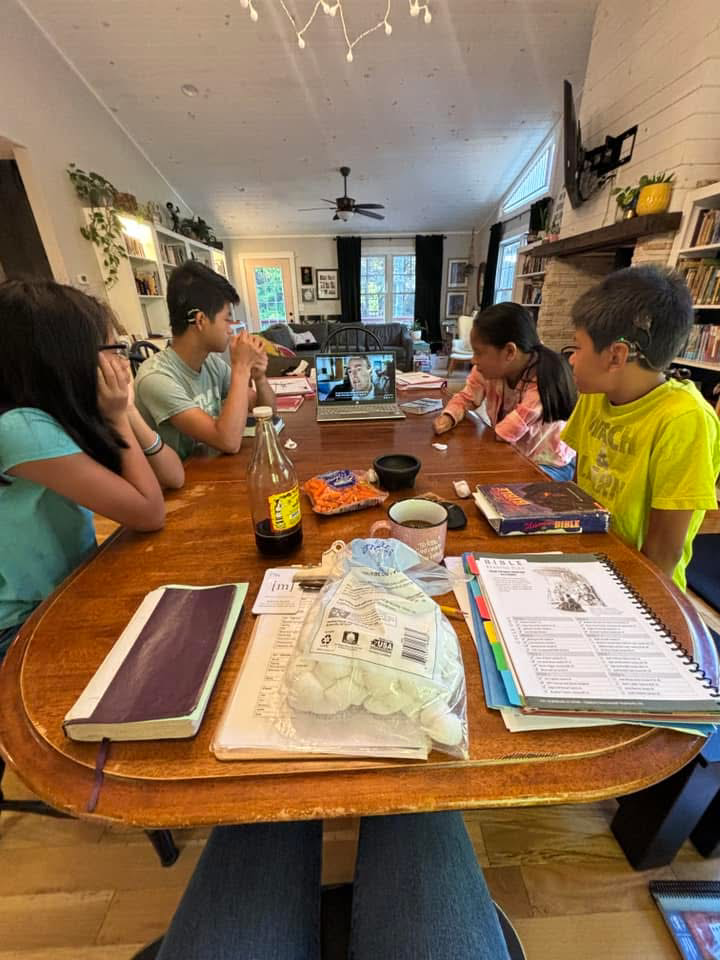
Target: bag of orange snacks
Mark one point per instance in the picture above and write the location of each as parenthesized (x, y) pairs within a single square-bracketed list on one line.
[(342, 491)]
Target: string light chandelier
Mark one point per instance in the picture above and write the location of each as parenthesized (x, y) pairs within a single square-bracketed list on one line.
[(333, 8)]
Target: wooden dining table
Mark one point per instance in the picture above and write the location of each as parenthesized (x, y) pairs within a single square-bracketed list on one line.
[(207, 539)]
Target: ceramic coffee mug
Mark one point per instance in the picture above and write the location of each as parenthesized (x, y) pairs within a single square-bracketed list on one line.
[(421, 524)]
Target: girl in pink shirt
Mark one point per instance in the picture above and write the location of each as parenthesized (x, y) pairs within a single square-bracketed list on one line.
[(527, 388)]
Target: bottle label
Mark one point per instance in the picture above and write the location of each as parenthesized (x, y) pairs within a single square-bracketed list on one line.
[(285, 509)]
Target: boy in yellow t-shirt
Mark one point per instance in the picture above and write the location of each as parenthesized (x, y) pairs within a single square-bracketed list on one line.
[(648, 448)]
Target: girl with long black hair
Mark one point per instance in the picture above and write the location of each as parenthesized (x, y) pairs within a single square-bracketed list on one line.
[(527, 388), (71, 442)]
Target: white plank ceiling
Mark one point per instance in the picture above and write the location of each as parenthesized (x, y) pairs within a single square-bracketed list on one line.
[(435, 121)]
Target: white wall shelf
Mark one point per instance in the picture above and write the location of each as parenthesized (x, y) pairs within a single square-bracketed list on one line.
[(145, 315), (702, 364)]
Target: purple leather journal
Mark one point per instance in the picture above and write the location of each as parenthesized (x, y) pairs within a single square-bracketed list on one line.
[(164, 673)]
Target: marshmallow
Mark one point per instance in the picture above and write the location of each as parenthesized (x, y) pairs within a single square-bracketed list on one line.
[(462, 488)]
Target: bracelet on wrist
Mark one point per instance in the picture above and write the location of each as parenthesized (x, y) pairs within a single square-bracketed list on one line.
[(154, 447), (153, 452)]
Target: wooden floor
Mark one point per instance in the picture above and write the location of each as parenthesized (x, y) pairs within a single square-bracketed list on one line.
[(76, 891)]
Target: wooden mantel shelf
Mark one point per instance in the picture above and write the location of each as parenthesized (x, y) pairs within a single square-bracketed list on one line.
[(620, 234)]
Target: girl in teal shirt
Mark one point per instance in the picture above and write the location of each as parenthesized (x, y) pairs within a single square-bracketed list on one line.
[(71, 443)]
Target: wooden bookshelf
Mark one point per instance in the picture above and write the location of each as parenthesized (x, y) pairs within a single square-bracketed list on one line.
[(151, 250)]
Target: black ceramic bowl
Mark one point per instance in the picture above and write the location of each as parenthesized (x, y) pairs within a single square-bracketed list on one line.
[(397, 470)]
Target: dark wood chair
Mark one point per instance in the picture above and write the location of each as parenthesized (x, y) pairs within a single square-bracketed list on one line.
[(139, 352), (653, 824), (162, 840), (351, 338)]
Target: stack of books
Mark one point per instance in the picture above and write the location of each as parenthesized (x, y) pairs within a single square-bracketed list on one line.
[(707, 229), (562, 638), (703, 280), (703, 343), (419, 381)]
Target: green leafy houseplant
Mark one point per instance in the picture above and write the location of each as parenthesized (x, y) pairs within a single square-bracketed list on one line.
[(663, 177), (104, 228), (625, 197)]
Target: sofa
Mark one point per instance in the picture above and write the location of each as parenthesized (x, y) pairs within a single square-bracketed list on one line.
[(393, 336)]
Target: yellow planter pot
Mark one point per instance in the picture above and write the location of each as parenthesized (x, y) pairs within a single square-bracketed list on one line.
[(654, 198)]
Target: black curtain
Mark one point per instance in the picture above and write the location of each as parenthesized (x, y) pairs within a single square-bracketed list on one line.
[(428, 286), (496, 232), (348, 256)]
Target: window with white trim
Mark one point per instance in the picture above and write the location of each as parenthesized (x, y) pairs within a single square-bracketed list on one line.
[(387, 288), (533, 183), (505, 274)]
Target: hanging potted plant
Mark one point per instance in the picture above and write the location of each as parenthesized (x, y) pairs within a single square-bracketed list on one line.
[(654, 193), (104, 228)]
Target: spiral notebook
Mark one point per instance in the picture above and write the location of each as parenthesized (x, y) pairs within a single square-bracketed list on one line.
[(691, 910), (574, 636)]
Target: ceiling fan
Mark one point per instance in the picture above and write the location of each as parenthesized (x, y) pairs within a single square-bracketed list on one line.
[(345, 206)]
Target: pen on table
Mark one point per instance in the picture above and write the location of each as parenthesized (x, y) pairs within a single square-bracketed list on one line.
[(452, 612)]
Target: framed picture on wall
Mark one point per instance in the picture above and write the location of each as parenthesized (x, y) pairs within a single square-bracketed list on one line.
[(308, 295), (306, 276), (457, 273), (455, 305), (327, 284)]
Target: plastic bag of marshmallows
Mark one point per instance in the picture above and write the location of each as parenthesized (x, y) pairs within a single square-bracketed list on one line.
[(378, 659)]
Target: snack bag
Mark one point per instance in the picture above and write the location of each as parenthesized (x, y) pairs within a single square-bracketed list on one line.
[(342, 491)]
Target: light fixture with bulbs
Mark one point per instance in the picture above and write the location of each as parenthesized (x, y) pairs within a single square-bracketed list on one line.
[(334, 7)]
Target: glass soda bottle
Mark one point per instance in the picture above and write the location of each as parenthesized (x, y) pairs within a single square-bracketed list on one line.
[(274, 493)]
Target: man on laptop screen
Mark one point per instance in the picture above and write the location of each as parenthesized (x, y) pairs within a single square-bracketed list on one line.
[(359, 385)]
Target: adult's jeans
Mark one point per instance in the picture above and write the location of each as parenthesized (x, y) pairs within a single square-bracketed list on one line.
[(418, 894)]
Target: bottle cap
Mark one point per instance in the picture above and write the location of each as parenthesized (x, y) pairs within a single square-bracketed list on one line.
[(262, 412)]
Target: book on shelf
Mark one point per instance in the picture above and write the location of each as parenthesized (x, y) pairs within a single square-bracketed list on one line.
[(703, 343), (707, 229), (532, 264), (172, 254), (702, 278), (573, 637), (691, 910), (147, 284), (135, 247), (157, 679), (531, 294), (540, 507)]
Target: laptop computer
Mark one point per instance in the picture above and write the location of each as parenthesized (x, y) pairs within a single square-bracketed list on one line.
[(356, 386)]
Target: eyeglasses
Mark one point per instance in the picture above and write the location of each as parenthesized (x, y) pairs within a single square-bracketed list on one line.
[(118, 349)]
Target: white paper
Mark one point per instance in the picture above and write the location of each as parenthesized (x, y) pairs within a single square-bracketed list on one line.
[(573, 634), (290, 386), (258, 722), (279, 593)]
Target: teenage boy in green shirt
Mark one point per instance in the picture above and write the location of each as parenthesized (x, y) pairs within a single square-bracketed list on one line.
[(648, 447), (188, 392)]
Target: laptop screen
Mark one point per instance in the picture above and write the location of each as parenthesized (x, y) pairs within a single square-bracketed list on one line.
[(355, 378)]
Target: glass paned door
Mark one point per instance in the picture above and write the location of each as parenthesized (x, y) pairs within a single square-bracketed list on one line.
[(269, 291)]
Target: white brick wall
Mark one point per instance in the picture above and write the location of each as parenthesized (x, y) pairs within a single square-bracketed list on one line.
[(655, 63)]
